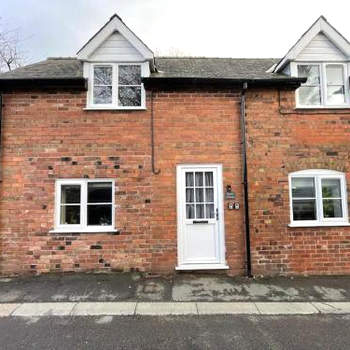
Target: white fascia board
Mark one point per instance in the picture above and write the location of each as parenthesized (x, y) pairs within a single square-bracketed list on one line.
[(114, 25), (320, 26)]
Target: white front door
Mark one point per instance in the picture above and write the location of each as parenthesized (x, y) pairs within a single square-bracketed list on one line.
[(200, 217)]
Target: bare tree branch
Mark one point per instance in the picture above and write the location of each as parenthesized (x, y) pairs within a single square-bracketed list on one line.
[(10, 54)]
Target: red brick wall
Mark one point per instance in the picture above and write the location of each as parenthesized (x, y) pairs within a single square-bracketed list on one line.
[(195, 127), (49, 136), (282, 141)]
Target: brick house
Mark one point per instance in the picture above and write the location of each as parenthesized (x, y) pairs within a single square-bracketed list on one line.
[(119, 160)]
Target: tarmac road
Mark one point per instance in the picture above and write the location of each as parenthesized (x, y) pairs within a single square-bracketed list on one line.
[(176, 332)]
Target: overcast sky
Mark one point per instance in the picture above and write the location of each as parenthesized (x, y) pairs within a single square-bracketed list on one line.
[(222, 28)]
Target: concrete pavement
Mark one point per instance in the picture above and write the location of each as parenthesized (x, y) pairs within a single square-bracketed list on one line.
[(170, 308), (130, 294)]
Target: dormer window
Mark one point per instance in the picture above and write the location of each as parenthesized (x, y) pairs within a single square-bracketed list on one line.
[(116, 86), (325, 85)]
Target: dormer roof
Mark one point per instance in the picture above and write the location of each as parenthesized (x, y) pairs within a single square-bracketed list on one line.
[(115, 26), (320, 27)]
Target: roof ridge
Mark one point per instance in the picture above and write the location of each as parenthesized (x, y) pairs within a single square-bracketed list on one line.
[(227, 58), (61, 58)]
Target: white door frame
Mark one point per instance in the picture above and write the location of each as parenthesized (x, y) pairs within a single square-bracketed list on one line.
[(180, 219)]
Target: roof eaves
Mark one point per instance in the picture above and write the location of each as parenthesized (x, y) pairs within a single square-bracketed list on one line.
[(75, 83), (292, 82)]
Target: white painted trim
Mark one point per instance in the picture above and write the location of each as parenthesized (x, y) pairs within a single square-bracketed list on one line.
[(84, 230), (82, 227), (180, 218), (189, 267), (321, 25), (114, 108), (114, 25), (318, 175), (328, 224)]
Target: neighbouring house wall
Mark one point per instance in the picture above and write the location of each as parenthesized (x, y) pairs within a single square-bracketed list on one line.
[(48, 136), (280, 143)]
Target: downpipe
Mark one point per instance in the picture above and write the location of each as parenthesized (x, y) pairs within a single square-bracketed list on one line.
[(245, 180)]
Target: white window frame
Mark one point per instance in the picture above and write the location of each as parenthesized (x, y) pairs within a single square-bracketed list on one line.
[(115, 85), (318, 175), (82, 227), (323, 83)]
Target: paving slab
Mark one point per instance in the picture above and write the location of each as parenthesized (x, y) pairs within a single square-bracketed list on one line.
[(280, 308), (44, 309), (7, 309), (104, 309), (217, 308), (161, 308), (333, 308)]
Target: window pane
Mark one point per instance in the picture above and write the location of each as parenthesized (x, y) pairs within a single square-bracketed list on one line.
[(189, 179), (129, 96), (335, 95), (100, 192), (309, 95), (209, 211), (99, 215), (190, 211), (199, 195), (209, 179), (332, 208), (70, 215), (70, 194), (130, 75), (335, 75), (189, 195), (199, 179), (209, 195), (200, 211), (311, 72), (102, 75), (303, 187), (304, 209), (102, 94), (331, 188)]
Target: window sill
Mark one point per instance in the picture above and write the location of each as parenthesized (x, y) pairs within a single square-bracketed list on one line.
[(115, 108), (107, 230), (318, 224), (298, 108)]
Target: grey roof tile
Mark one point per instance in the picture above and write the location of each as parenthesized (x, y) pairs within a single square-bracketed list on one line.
[(52, 68), (217, 68), (168, 67)]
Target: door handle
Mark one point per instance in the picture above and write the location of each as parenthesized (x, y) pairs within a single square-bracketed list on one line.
[(217, 213), (200, 222)]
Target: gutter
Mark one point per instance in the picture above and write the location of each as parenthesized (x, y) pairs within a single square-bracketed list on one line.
[(245, 180), (78, 83), (213, 83)]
